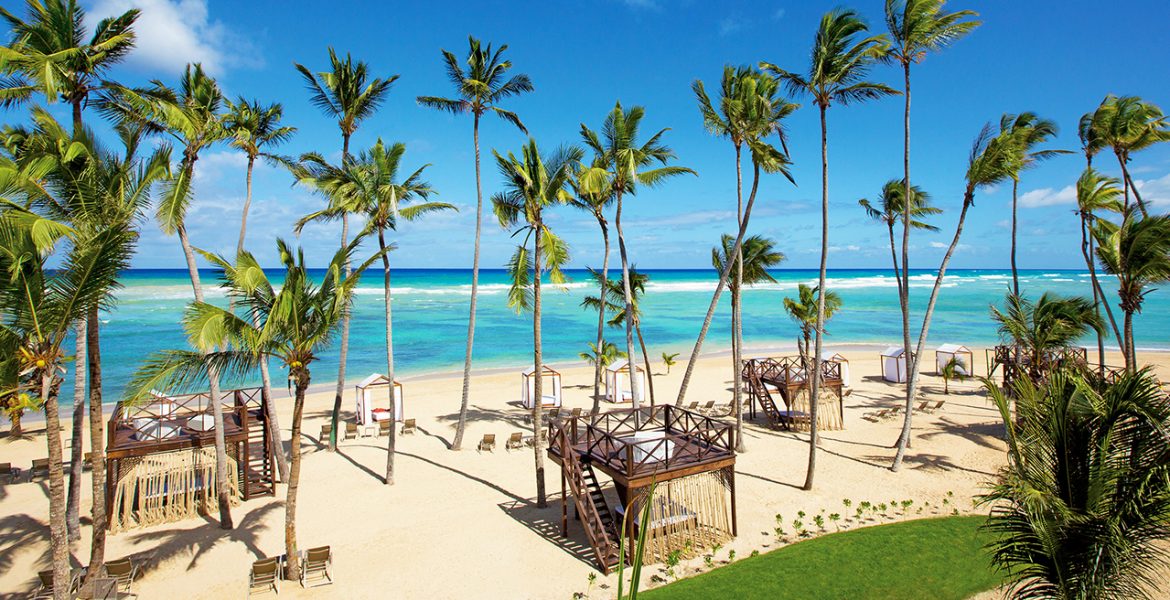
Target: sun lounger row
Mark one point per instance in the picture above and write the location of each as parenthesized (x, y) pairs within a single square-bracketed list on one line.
[(316, 570), (118, 582), (352, 430), (39, 468), (925, 406)]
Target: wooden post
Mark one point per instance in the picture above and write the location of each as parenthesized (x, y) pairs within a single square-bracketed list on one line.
[(734, 517), (564, 496)]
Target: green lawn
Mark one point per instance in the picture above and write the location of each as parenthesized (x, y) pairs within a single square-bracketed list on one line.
[(936, 559)]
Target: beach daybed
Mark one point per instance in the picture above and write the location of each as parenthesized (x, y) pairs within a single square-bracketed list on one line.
[(374, 390), (550, 387), (617, 382), (962, 354), (894, 364)]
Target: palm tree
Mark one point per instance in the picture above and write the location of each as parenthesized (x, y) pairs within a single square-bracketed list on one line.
[(254, 128), (954, 369), (1050, 323), (615, 302), (1137, 252), (917, 28), (346, 93), (1080, 509), (668, 359), (533, 183), (1126, 125), (756, 255), (627, 161), (1096, 193), (295, 322), (193, 116), (593, 193), (479, 89), (369, 186), (804, 309), (1029, 131), (989, 163), (836, 74), (890, 209), (39, 305), (750, 111), (608, 354)]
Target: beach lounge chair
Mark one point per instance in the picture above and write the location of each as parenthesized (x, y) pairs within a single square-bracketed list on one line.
[(40, 468), (326, 429), (576, 413), (936, 407), (487, 443), (384, 427), (530, 440), (876, 415), (708, 407), (922, 406), (317, 567), (45, 578), (693, 406), (8, 473), (266, 575), (351, 430), (515, 441), (554, 413), (408, 427), (125, 571)]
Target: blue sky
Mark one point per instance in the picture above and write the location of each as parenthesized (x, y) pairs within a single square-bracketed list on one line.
[(1058, 58)]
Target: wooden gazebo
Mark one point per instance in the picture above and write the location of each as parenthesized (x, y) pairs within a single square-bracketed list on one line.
[(787, 377), (1017, 361), (550, 387), (689, 457), (160, 456)]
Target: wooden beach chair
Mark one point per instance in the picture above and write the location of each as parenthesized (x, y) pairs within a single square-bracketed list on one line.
[(266, 575), (326, 429), (45, 579), (8, 473), (922, 406), (693, 406), (515, 441), (936, 407), (40, 468), (125, 572), (351, 430), (576, 413), (708, 407), (317, 567), (408, 427), (554, 413), (487, 443), (384, 427)]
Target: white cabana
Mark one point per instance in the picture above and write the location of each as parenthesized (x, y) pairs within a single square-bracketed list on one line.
[(837, 357), (617, 382), (550, 387), (894, 364), (373, 399), (962, 354)]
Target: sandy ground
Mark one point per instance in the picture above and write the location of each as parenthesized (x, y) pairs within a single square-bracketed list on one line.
[(465, 524)]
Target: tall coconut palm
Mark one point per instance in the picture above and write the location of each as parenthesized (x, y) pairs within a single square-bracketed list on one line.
[(370, 186), (1126, 125), (750, 111), (347, 93), (627, 161), (479, 89), (804, 310), (615, 302), (841, 58), (295, 323), (39, 305), (593, 193), (1029, 131), (1137, 253), (533, 183), (1080, 510), (1050, 323), (890, 209), (609, 353), (989, 163), (756, 255), (1095, 194), (193, 116), (917, 28), (254, 128)]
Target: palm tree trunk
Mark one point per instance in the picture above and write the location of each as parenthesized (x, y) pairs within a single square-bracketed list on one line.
[(265, 378), (736, 317), (645, 359), (97, 465), (225, 515), (904, 280), (461, 426), (894, 259), (339, 391), (1123, 159), (1100, 293), (723, 278), (389, 480), (1015, 273), (293, 564), (72, 510), (538, 364), (597, 366), (1087, 252), (628, 295), (913, 366), (815, 377), (59, 538), (15, 429), (1130, 356)]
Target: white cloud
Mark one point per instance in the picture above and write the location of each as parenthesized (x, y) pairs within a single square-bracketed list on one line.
[(1154, 191), (172, 33), (779, 14), (1049, 197), (938, 245), (1004, 224), (731, 25)]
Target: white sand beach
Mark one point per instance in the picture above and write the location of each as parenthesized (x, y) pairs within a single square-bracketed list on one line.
[(464, 524)]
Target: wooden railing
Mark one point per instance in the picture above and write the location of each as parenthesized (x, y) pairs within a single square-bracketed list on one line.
[(787, 370), (680, 437), (168, 418)]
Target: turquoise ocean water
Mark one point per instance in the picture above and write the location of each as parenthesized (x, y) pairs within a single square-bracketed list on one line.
[(430, 316)]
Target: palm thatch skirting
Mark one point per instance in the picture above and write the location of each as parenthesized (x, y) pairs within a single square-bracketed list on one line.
[(687, 515), (167, 487)]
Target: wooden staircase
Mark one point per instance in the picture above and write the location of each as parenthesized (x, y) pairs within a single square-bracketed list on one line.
[(257, 475), (591, 507), (764, 397)]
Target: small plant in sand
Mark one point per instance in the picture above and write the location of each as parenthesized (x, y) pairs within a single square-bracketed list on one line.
[(820, 522), (709, 560), (672, 560), (755, 553), (731, 556), (835, 518), (906, 504)]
